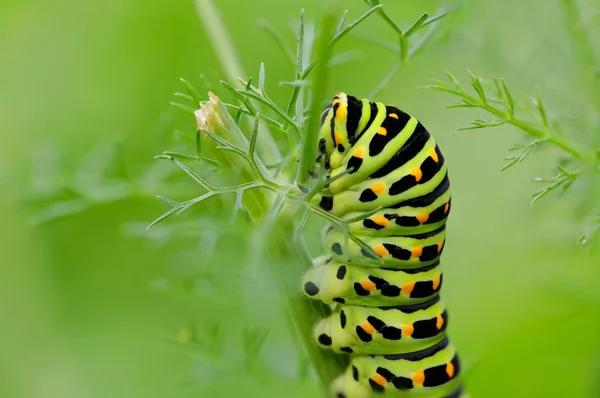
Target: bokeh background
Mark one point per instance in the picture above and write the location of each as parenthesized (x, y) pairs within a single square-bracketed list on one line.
[(93, 306)]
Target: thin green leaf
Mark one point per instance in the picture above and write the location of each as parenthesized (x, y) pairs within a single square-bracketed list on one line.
[(418, 24), (252, 146), (278, 38), (442, 14), (367, 250), (261, 77), (239, 96), (542, 111), (168, 201), (340, 25), (339, 36), (192, 91), (182, 95), (362, 216), (183, 107), (199, 153), (476, 83), (296, 83), (510, 104), (193, 175)]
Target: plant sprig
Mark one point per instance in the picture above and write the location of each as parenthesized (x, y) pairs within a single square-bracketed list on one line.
[(406, 49), (532, 118)]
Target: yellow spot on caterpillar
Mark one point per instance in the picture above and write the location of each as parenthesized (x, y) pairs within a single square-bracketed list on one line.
[(368, 285), (408, 287), (418, 378), (417, 173), (433, 155), (417, 251), (368, 327), (359, 152), (393, 115), (380, 220), (446, 207), (436, 282), (382, 131), (422, 217), (439, 322), (341, 113), (450, 369), (440, 246), (382, 251), (335, 101), (408, 330), (378, 187), (338, 138), (379, 379)]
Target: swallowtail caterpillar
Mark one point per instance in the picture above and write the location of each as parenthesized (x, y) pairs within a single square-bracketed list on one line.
[(388, 315)]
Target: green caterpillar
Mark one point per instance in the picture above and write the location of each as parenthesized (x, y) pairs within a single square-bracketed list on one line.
[(388, 315)]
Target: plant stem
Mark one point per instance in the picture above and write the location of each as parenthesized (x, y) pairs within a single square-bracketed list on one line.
[(224, 50), (287, 262), (319, 87)]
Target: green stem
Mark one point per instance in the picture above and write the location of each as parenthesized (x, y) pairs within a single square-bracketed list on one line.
[(225, 52), (319, 87), (556, 141), (287, 262)]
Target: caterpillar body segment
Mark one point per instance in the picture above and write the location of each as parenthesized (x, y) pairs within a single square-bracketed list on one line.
[(432, 373), (388, 315), (397, 252), (377, 331), (350, 284)]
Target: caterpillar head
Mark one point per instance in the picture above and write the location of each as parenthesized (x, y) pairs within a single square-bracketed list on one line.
[(333, 134)]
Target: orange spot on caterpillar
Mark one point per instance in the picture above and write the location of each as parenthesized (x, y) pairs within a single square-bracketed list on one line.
[(417, 251), (381, 131), (367, 285), (382, 251), (450, 369), (393, 115), (379, 379), (368, 327), (433, 155), (359, 152), (440, 246), (436, 282), (338, 138), (422, 217), (418, 378), (408, 330), (417, 173), (408, 288), (380, 220), (378, 187), (440, 322), (446, 207)]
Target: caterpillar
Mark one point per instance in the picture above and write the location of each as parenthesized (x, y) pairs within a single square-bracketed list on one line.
[(387, 172)]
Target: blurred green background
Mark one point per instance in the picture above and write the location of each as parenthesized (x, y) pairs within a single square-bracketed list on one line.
[(91, 307)]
